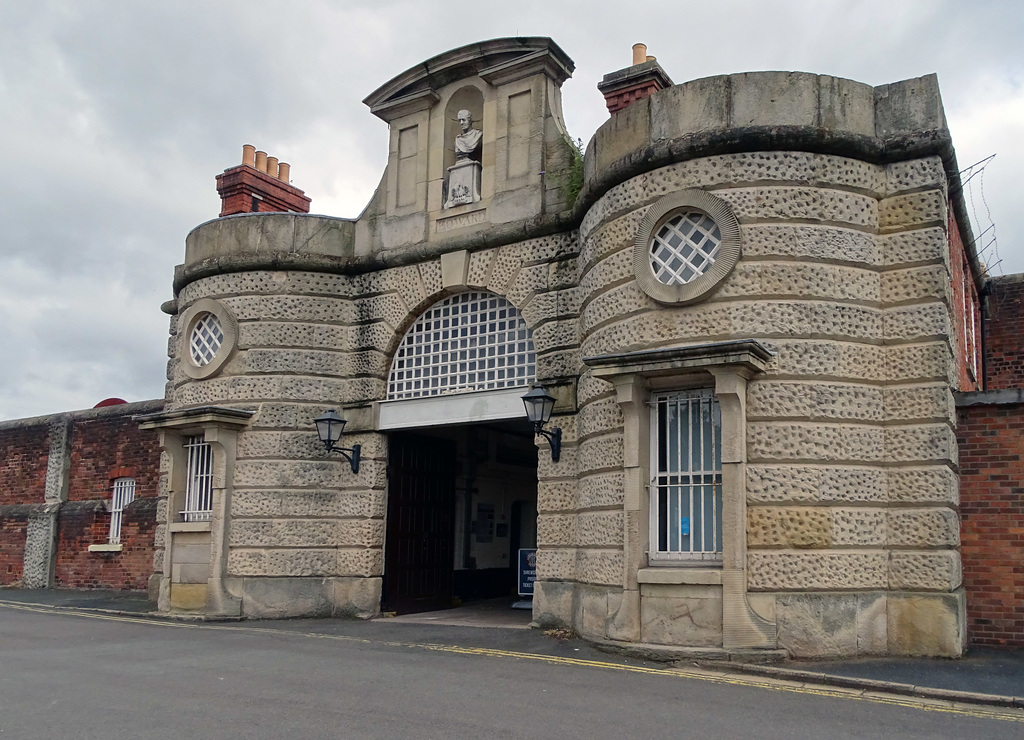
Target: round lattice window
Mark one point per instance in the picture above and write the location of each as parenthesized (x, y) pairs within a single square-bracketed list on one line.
[(685, 247), (207, 337), (687, 243)]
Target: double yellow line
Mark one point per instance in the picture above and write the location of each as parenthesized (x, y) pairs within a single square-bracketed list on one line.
[(794, 687)]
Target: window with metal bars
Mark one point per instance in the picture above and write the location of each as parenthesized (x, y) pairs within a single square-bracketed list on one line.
[(468, 342), (123, 494), (198, 480), (686, 476)]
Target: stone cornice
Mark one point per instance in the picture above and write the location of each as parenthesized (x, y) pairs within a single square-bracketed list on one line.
[(747, 353), (201, 416), (496, 61)]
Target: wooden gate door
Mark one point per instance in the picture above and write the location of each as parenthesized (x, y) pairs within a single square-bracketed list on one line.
[(419, 556)]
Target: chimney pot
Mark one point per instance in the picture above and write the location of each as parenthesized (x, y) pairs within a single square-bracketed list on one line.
[(249, 155), (261, 161), (284, 172), (626, 86), (272, 166)]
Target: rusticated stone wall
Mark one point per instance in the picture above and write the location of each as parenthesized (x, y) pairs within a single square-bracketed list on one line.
[(842, 528), (845, 276), (312, 341)]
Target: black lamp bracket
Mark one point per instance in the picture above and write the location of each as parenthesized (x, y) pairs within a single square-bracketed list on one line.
[(554, 438), (349, 453)]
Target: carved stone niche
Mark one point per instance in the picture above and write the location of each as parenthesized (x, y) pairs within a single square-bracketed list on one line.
[(463, 169), (511, 89)]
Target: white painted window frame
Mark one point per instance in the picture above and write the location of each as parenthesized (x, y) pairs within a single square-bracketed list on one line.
[(198, 479), (122, 494), (688, 487)]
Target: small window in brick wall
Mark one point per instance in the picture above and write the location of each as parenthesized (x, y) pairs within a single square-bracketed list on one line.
[(123, 494)]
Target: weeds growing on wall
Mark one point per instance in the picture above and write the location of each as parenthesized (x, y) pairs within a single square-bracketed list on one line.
[(574, 173)]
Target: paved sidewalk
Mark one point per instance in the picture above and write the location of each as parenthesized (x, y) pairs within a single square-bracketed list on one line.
[(116, 602), (989, 676)]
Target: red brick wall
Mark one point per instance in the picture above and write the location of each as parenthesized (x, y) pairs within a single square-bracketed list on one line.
[(101, 450), (108, 448), (105, 444), (85, 523), (966, 310), (12, 549), (991, 440), (23, 455), (1004, 333)]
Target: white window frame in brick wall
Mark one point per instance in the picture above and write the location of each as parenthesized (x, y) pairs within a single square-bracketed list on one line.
[(198, 480), (686, 476), (468, 342), (122, 494)]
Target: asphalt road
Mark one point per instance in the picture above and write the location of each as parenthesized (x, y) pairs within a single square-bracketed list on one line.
[(67, 675)]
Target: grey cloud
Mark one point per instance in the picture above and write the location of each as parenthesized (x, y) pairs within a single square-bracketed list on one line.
[(117, 116)]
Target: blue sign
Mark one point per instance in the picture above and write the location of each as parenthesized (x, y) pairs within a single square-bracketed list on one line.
[(527, 570)]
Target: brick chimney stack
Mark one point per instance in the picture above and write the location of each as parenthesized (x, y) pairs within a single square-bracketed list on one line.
[(259, 185), (645, 77)]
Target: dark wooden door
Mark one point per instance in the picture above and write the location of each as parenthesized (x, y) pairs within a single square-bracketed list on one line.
[(419, 557)]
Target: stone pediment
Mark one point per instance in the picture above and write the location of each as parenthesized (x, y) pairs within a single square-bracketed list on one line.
[(497, 61), (477, 140)]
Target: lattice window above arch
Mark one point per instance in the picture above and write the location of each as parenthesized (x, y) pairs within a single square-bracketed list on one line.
[(468, 342)]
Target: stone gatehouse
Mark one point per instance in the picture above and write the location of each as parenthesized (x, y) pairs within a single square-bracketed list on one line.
[(750, 299)]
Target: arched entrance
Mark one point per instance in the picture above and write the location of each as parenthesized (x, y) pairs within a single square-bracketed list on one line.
[(462, 461)]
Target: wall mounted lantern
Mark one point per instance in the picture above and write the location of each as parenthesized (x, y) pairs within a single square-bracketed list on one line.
[(539, 405), (329, 428)]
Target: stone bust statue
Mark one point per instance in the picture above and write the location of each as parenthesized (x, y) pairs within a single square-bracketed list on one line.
[(467, 143)]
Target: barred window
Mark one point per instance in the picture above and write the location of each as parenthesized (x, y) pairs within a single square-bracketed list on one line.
[(686, 479), (198, 480), (468, 342), (123, 494)]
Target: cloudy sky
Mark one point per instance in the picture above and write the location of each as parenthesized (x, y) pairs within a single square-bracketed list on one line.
[(115, 116)]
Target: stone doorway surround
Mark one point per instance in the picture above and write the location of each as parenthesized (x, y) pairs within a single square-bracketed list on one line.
[(191, 593)]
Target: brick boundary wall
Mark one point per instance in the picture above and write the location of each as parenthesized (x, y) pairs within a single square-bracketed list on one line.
[(1004, 333), (990, 435), (87, 522), (13, 529), (56, 476), (23, 455)]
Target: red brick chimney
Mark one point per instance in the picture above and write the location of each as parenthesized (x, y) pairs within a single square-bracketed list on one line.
[(625, 87), (259, 185)]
